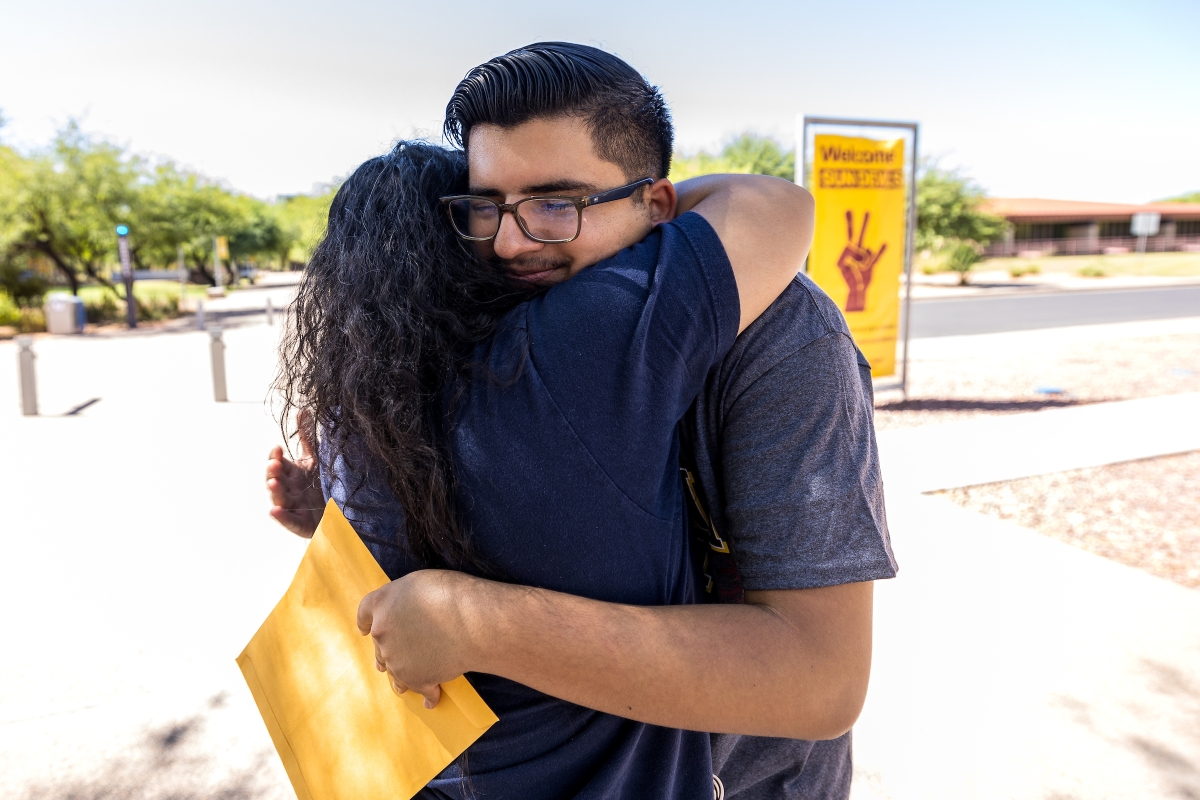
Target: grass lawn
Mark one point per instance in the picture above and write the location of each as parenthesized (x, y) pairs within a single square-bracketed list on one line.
[(146, 291), (1172, 265)]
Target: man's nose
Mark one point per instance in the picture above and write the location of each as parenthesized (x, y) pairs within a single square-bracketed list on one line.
[(511, 241)]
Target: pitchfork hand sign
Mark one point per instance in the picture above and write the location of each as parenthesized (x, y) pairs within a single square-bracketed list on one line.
[(857, 262)]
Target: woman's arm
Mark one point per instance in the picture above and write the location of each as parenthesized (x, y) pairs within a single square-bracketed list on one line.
[(766, 225)]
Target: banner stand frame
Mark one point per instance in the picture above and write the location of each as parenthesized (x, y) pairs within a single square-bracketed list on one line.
[(911, 222)]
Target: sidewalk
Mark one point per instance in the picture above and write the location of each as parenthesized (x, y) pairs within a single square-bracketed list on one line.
[(1000, 448), (139, 559), (992, 283), (1009, 665)]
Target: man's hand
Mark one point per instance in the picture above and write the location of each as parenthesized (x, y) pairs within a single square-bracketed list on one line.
[(296, 500), (417, 628)]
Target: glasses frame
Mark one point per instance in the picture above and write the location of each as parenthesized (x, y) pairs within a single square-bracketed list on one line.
[(580, 202)]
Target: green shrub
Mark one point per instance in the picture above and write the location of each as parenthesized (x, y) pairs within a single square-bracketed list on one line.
[(1092, 271), (33, 320), (10, 313), (962, 259), (24, 319), (23, 287), (103, 308), (159, 307), (1020, 270)]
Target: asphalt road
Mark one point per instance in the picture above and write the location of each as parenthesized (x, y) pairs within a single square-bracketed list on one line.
[(1061, 309)]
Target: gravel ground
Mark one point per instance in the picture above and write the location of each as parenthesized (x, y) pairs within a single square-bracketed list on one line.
[(1142, 513), (958, 377)]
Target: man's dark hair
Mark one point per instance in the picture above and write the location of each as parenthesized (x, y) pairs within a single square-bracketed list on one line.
[(384, 324), (627, 117)]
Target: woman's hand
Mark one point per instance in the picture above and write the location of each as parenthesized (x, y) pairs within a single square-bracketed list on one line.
[(297, 502)]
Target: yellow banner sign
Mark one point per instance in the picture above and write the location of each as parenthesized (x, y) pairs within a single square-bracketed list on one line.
[(858, 249)]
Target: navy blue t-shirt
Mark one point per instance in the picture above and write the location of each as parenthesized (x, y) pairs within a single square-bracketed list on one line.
[(566, 450)]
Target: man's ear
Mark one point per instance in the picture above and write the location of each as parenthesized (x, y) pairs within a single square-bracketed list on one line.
[(662, 200)]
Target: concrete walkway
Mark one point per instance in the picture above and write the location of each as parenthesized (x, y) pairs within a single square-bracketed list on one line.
[(1010, 665), (1001, 448), (139, 558), (993, 283)]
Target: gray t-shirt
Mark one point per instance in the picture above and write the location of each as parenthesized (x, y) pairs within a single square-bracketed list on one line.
[(784, 444)]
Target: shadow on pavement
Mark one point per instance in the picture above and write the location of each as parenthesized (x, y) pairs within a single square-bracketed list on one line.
[(935, 404), (170, 763), (79, 409)]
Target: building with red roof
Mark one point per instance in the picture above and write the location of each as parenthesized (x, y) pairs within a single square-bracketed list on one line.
[(1071, 227)]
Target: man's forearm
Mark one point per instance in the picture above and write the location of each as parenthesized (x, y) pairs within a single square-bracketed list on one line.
[(748, 669)]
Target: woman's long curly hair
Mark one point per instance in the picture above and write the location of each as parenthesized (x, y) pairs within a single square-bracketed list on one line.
[(385, 321)]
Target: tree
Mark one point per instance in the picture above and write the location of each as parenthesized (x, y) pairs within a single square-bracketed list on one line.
[(748, 153), (64, 203), (17, 281), (303, 218), (25, 287), (179, 210), (1192, 197), (12, 177), (948, 210), (68, 200), (256, 230)]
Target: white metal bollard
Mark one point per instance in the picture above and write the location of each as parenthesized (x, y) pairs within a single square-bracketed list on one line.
[(270, 312), (25, 358), (218, 365), (200, 314)]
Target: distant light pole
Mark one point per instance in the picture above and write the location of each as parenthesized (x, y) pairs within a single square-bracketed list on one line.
[(183, 276), (127, 274), (218, 278)]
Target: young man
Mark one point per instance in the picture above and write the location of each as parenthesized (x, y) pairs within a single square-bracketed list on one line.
[(784, 451)]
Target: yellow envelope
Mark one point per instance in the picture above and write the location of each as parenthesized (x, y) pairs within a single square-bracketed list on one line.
[(339, 729)]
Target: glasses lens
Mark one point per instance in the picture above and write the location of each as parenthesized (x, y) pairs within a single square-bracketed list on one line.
[(475, 217), (549, 219)]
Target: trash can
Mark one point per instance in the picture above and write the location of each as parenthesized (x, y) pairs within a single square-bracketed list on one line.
[(65, 314)]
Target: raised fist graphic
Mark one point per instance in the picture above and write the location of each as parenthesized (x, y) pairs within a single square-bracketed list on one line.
[(857, 263)]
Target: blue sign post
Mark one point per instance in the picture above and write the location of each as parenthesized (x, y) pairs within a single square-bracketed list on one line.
[(127, 274)]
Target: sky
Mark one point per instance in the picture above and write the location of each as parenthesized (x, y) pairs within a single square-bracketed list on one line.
[(1075, 100)]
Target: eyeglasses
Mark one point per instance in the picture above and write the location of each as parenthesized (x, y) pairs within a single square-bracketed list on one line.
[(549, 220)]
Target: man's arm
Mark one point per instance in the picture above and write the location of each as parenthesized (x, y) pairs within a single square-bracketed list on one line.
[(788, 663)]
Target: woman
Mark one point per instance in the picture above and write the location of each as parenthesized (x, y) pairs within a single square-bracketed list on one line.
[(468, 425)]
